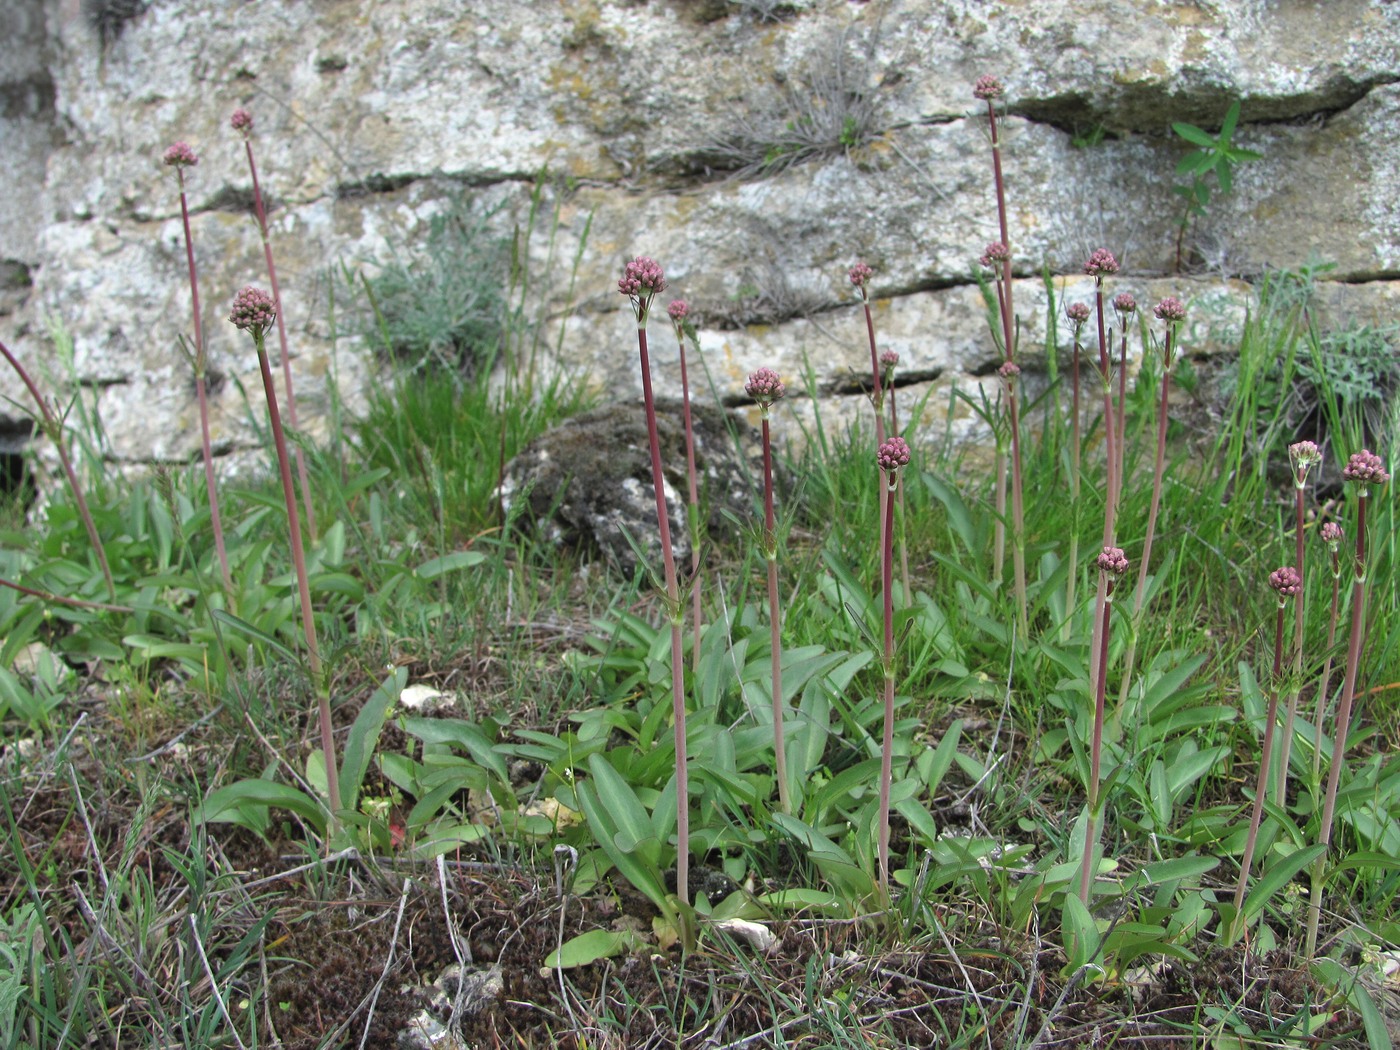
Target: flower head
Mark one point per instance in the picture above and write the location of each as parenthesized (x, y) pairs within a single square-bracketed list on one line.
[(179, 155), (764, 386), (1286, 581), (1171, 309), (1304, 455), (642, 277), (889, 361), (1009, 370), (1124, 303), (1113, 561), (242, 121), (679, 310), (1101, 264), (988, 87), (892, 455), (860, 274), (994, 255), (1366, 468), (253, 311), (1332, 535), (1077, 313)]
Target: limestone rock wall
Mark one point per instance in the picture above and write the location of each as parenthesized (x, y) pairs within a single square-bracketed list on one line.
[(755, 148)]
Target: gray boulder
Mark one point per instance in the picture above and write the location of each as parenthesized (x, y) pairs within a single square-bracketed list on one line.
[(588, 481)]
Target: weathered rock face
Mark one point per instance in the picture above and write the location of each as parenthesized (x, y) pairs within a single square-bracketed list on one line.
[(588, 481), (756, 159)]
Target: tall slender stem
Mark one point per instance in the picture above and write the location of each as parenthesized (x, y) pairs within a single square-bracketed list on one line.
[(1291, 717), (673, 600), (693, 504), (1261, 786), (281, 337), (770, 542), (201, 365), (54, 432), (887, 739), (1339, 740), (308, 618), (1091, 830)]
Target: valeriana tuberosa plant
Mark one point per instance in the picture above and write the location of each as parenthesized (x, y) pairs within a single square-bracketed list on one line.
[(1171, 312), (1286, 583), (989, 89), (1302, 456), (242, 122), (254, 311), (1077, 313), (1363, 470), (642, 281), (1112, 563), (179, 156), (679, 312), (1332, 535), (765, 387), (53, 430), (891, 457)]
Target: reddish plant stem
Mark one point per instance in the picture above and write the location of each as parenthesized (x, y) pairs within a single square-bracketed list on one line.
[(54, 432), (1339, 741), (1261, 786), (1324, 688), (1091, 831), (308, 619), (1158, 466), (887, 739), (281, 339), (1071, 582), (201, 365), (1004, 301), (1286, 749), (770, 544), (903, 547), (75, 603), (673, 600), (1110, 499), (692, 508)]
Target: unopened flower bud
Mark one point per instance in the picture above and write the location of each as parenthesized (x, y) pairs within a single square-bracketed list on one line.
[(1286, 581), (242, 121), (1101, 264), (994, 255), (1113, 561), (253, 310), (1171, 309), (179, 155), (860, 274), (764, 386), (987, 87), (892, 455), (1366, 468)]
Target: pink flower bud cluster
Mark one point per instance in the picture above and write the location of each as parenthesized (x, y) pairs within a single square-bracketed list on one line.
[(1124, 303), (1171, 309), (242, 121), (889, 360), (642, 278), (1101, 264), (1078, 313), (892, 455), (1332, 534), (1366, 468), (1113, 561), (679, 310), (1009, 370), (860, 274), (179, 155), (994, 255), (764, 386), (1286, 581), (253, 310), (987, 87)]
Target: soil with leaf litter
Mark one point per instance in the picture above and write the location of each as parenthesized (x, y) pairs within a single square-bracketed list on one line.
[(330, 943)]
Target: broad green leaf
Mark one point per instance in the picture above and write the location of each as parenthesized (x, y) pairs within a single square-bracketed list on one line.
[(237, 802), (591, 946), (1277, 877), (364, 736), (435, 567), (1194, 135), (245, 628), (465, 735)]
